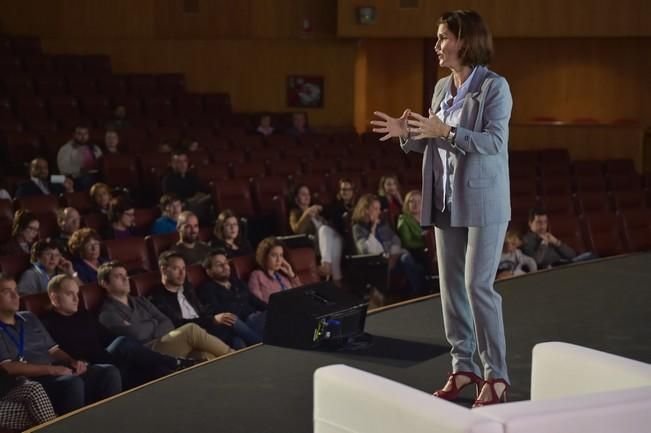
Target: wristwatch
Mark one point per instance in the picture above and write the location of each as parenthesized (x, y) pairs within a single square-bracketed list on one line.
[(452, 135)]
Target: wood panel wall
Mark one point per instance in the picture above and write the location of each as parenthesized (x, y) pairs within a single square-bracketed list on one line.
[(507, 18)]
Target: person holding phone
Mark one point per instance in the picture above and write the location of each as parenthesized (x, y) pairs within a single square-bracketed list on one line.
[(464, 142), (47, 262), (41, 183), (275, 273)]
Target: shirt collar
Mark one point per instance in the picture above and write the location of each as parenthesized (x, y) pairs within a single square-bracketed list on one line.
[(463, 90)]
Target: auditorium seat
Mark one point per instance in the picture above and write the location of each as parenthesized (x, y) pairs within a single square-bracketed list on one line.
[(334, 152), (6, 108), (633, 199), (354, 165), (252, 143), (10, 66), (234, 195), (23, 147), (554, 156), (281, 141), (67, 64), (587, 167), (320, 166), (625, 182), (211, 174), (142, 84), (159, 107), (591, 202), (281, 215), (314, 141), (200, 157), (263, 191), (48, 226), (145, 218), (271, 155), (636, 224), (372, 179), (31, 107), (96, 64), (94, 220), (520, 186), (247, 170), (14, 265), (50, 85), (82, 85), (38, 204), (95, 106), (91, 297), (527, 158), (120, 170), (189, 104), (80, 200), (394, 164), (42, 127), (171, 84), (145, 283), (591, 184), (347, 139), (217, 103), (230, 156), (567, 228), (242, 266), (38, 303), (36, 64), (284, 167), (18, 86), (619, 166), (556, 185), (26, 45), (131, 102), (156, 244), (602, 233), (195, 274), (319, 185), (6, 219), (303, 261), (132, 252)]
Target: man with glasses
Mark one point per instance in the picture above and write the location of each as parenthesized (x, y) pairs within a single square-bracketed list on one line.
[(46, 263)]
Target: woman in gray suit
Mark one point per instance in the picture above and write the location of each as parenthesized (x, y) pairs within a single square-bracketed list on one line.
[(466, 197)]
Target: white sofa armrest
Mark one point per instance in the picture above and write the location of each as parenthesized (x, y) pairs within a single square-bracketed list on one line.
[(348, 400), (563, 370)]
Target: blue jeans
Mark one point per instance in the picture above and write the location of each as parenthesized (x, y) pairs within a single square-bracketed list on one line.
[(413, 271), (245, 333), (69, 393)]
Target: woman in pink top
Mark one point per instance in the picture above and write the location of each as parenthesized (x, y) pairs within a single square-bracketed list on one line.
[(275, 273)]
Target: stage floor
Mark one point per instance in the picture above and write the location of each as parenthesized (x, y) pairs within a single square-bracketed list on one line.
[(605, 305)]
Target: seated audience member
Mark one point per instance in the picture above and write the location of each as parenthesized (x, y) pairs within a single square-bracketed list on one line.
[(39, 182), (100, 193), (177, 299), (24, 232), (46, 263), (112, 142), (189, 246), (389, 195), (165, 146), (69, 383), (410, 231), (513, 261), (374, 236), (170, 207), (138, 318), (122, 219), (226, 235), (78, 159), (264, 127), (231, 300), (23, 403), (299, 125), (275, 273), (305, 218), (191, 145), (119, 119), (544, 247), (68, 220), (186, 185), (81, 335), (85, 246), (343, 205)]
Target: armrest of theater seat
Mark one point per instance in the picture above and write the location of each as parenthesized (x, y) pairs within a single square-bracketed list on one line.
[(564, 370), (348, 400)]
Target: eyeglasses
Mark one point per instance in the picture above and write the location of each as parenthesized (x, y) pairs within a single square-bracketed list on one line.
[(32, 228)]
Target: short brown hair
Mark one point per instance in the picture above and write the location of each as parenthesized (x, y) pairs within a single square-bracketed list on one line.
[(79, 238), (364, 202), (167, 199), (105, 269), (468, 26), (39, 247), (380, 188), (263, 249)]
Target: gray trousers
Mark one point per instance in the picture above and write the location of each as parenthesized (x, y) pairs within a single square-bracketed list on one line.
[(472, 310)]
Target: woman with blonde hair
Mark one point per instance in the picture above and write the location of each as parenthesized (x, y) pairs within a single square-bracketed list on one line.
[(374, 236)]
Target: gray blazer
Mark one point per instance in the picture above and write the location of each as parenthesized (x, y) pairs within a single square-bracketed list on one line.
[(481, 193)]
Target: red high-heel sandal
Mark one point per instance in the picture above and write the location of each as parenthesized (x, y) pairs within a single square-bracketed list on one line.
[(495, 398), (454, 392)]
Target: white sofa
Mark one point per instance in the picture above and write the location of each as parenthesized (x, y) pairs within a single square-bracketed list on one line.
[(573, 389)]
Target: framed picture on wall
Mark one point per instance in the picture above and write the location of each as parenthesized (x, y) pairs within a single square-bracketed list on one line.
[(304, 91)]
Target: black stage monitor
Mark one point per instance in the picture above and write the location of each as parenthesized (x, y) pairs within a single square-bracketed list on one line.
[(315, 315)]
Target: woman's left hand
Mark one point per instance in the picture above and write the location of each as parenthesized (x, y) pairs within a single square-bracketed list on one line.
[(427, 127)]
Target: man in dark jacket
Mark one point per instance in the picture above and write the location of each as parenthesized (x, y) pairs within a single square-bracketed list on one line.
[(39, 181)]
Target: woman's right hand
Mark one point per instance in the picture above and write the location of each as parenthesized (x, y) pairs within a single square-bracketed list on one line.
[(391, 126)]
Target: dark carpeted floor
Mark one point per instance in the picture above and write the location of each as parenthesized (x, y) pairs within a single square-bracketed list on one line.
[(604, 305)]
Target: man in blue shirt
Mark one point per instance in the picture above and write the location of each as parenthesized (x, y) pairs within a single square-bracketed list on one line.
[(27, 349), (170, 206)]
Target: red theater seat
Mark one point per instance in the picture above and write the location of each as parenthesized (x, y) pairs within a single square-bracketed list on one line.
[(132, 252), (80, 200), (144, 284), (14, 265), (234, 195), (156, 244), (303, 261), (92, 296), (38, 303)]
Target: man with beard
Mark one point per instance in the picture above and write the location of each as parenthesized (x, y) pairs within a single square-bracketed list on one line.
[(78, 158), (39, 182), (189, 246)]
